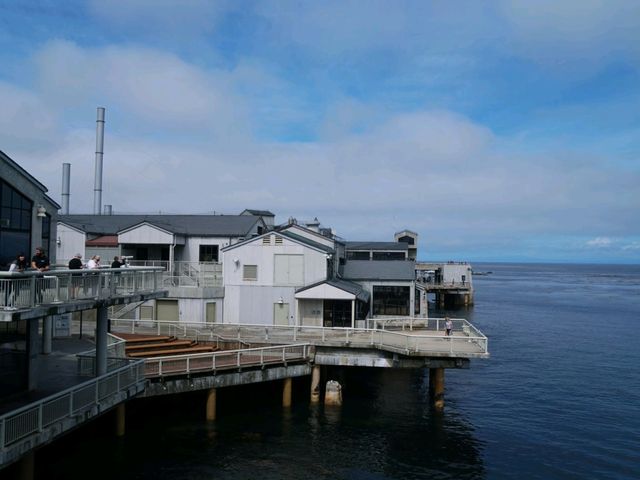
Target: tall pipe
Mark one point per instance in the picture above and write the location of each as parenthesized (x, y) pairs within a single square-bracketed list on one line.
[(66, 182), (97, 188)]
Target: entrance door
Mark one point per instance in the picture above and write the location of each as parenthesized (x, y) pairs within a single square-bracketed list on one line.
[(281, 314), (211, 312), (167, 310), (337, 313)]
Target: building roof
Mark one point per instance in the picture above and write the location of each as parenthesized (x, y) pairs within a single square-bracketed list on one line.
[(379, 270), (347, 286), (305, 240), (399, 246), (103, 241), (6, 158), (195, 225), (258, 213)]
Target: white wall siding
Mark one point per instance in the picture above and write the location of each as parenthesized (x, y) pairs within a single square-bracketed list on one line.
[(191, 250), (311, 312), (146, 234), (71, 242), (254, 304)]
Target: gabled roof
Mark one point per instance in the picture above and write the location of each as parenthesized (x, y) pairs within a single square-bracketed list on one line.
[(194, 225), (349, 287), (399, 246), (257, 213), (295, 238), (306, 241), (28, 176), (148, 223), (379, 270)]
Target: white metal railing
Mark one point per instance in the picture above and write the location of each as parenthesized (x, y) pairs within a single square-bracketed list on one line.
[(466, 340), (225, 360), (116, 356), (34, 418), (185, 273), (28, 289)]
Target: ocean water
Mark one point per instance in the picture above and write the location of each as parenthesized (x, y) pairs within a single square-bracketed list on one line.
[(558, 399)]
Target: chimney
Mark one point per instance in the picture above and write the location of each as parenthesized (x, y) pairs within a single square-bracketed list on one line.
[(97, 188), (66, 181)]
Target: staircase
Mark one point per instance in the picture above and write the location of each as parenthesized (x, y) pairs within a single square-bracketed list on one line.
[(149, 346)]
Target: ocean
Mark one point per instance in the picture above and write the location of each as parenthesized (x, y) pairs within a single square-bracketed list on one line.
[(558, 399)]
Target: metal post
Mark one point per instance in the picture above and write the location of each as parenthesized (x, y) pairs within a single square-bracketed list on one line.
[(97, 188), (102, 321)]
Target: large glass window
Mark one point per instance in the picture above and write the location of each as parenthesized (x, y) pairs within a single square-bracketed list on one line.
[(391, 300), (15, 223), (389, 256), (208, 253), (358, 255), (46, 232)]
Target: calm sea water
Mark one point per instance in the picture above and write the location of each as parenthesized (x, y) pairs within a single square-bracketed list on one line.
[(559, 399)]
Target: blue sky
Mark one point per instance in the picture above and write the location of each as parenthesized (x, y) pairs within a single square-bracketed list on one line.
[(496, 130)]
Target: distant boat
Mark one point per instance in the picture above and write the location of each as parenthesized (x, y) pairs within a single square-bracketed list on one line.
[(481, 274)]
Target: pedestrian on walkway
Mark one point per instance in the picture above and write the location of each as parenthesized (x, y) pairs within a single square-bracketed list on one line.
[(448, 325)]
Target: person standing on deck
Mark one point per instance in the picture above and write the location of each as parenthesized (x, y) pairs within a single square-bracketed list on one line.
[(448, 325), (40, 261), (116, 262), (19, 264)]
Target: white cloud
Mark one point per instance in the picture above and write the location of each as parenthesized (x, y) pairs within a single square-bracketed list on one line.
[(600, 242)]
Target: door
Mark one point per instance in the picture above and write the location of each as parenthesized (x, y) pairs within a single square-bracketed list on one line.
[(210, 314), (167, 310), (281, 314)]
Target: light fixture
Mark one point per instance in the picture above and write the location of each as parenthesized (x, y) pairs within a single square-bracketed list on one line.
[(280, 300), (42, 212), (59, 241)]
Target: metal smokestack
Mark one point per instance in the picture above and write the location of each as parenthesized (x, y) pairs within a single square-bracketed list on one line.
[(66, 181), (97, 188)]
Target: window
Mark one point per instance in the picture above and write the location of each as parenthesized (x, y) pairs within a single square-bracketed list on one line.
[(250, 272), (46, 231), (208, 253), (358, 255), (288, 270), (389, 256), (407, 239), (260, 230), (15, 223), (391, 300)]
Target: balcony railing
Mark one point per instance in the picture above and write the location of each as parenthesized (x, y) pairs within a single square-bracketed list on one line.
[(186, 274), (29, 289), (20, 425)]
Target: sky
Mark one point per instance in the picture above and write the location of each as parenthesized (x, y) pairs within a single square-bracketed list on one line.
[(498, 131)]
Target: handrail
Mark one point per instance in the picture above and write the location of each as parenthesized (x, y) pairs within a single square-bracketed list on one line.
[(466, 340), (29, 289), (33, 418), (224, 360)]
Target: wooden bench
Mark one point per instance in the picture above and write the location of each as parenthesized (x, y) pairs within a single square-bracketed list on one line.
[(161, 345), (172, 351)]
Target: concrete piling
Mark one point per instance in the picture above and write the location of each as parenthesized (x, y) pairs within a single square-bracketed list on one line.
[(120, 420), (436, 388), (286, 392), (211, 405), (315, 384), (26, 466), (333, 393)]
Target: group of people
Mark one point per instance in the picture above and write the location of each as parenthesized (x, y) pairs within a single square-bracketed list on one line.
[(39, 262)]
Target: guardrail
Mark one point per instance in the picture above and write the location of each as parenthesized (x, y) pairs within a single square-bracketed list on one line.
[(466, 340), (21, 424), (116, 356), (29, 289), (225, 360)]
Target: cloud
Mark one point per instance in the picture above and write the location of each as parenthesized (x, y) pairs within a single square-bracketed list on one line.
[(599, 242)]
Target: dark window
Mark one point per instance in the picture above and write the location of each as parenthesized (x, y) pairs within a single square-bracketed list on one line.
[(260, 230), (358, 256), (390, 300), (407, 239), (417, 300), (208, 253), (15, 223), (46, 231), (142, 253), (389, 256)]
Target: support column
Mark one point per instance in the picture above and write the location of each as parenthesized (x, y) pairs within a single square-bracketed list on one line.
[(26, 466), (286, 392), (436, 388), (102, 321), (211, 405), (120, 420), (315, 384), (47, 334), (353, 313), (32, 348)]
